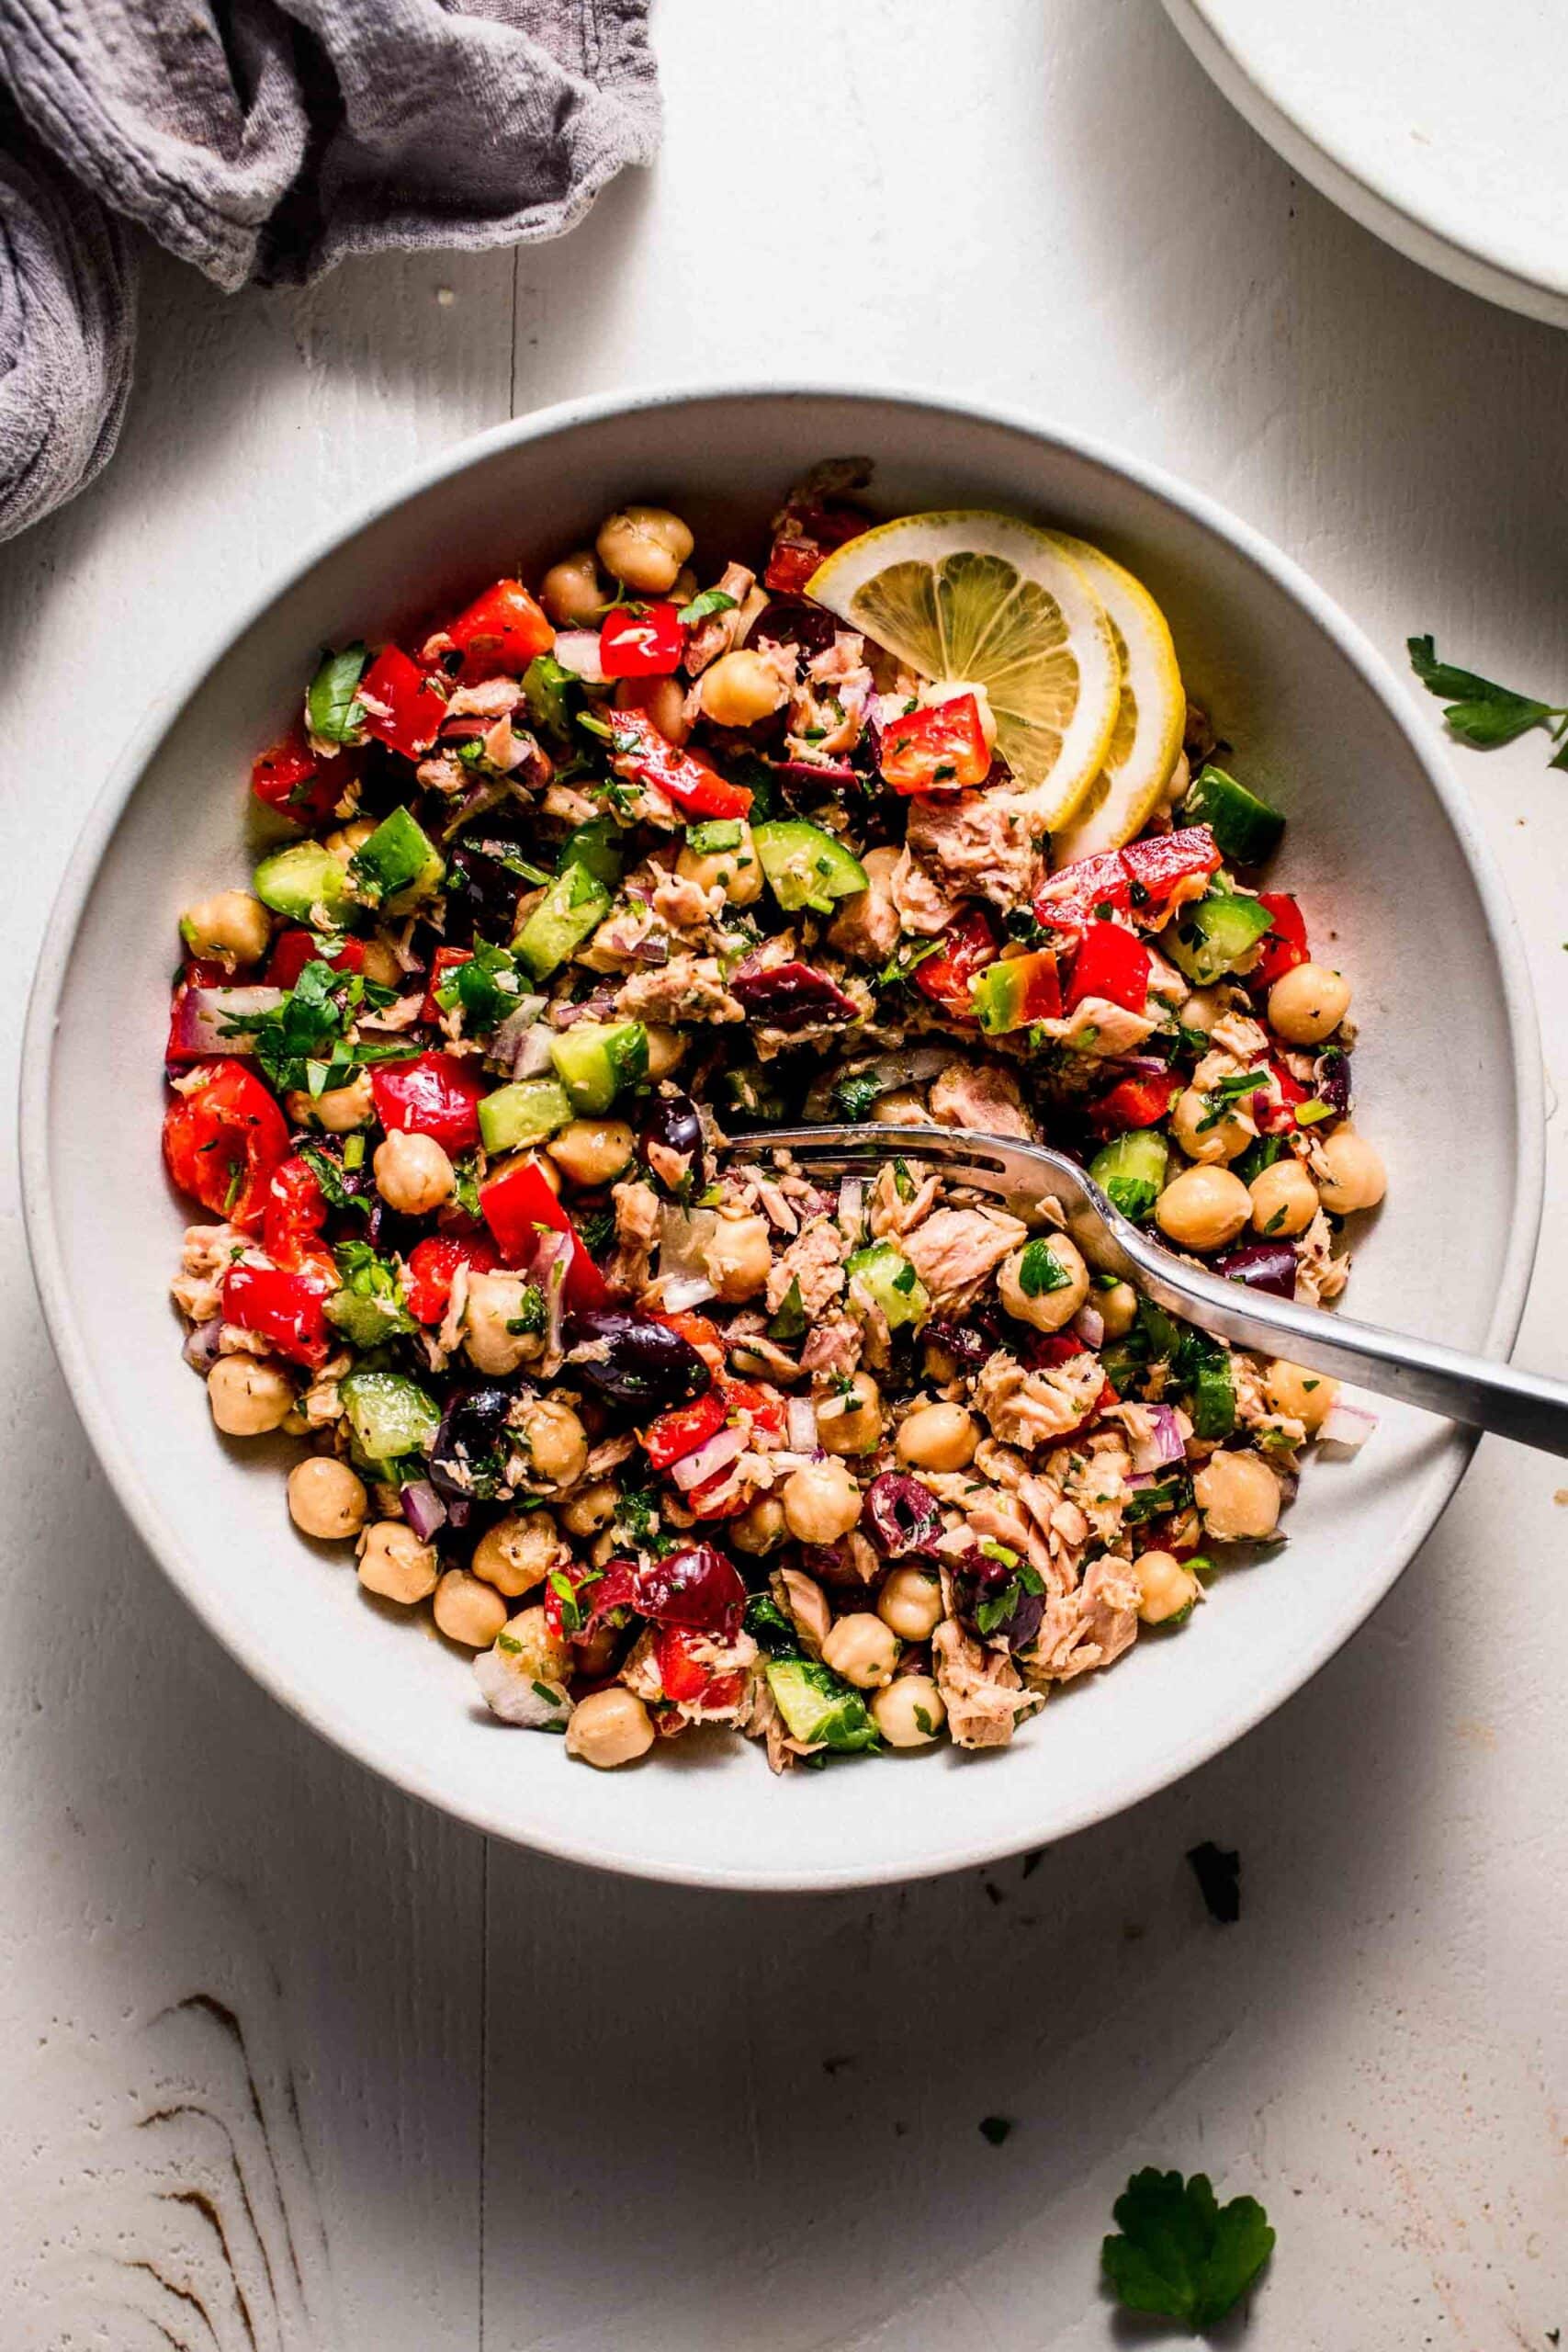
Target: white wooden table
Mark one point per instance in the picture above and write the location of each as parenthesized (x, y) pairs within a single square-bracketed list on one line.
[(290, 2064)]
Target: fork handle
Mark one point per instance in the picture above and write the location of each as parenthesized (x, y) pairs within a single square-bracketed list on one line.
[(1469, 1389)]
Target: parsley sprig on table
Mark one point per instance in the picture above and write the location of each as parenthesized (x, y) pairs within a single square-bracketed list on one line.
[(1181, 2254), (1483, 714)]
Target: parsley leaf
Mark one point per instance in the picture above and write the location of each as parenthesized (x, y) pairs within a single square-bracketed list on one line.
[(1039, 1270), (854, 1094), (1480, 712), (789, 1323), (1180, 2255), (333, 712), (486, 986), (712, 599), (329, 1175)]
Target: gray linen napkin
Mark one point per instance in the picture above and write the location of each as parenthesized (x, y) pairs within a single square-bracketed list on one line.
[(265, 140)]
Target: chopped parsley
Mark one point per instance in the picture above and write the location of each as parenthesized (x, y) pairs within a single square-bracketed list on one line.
[(330, 1173), (333, 712), (1040, 1269), (303, 1044), (1478, 712), (854, 1094), (1218, 1874), (486, 986), (712, 599), (1180, 2254), (533, 1316), (789, 1323), (995, 2128)]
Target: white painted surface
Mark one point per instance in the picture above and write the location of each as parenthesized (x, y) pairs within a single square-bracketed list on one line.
[(540, 2111)]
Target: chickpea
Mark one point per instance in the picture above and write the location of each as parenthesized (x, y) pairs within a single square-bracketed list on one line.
[(494, 1303), (1239, 1495), (909, 1603), (543, 1655), (571, 590), (325, 1499), (468, 1611), (1284, 1199), (588, 1509), (863, 1649), (348, 838), (1307, 1003), (518, 1553), (761, 1527), (644, 545), (1353, 1176), (742, 688), (665, 1050), (594, 1653), (807, 1604), (1208, 1130), (1118, 1309), (1166, 1589), (394, 1563), (338, 1109), (231, 927), (1047, 1310), (737, 871), (738, 1258), (609, 1727), (661, 699), (852, 1422), (938, 1437), (554, 1440), (910, 1712), (1201, 1010), (901, 1106), (248, 1397), (1306, 1396), (940, 1362), (1203, 1208), (381, 966), (592, 1151), (413, 1174), (821, 1501)]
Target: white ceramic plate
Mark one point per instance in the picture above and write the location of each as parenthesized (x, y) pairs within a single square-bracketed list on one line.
[(1435, 124), (1381, 849)]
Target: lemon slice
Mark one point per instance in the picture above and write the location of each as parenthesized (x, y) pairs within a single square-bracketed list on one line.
[(996, 602), (1145, 742)]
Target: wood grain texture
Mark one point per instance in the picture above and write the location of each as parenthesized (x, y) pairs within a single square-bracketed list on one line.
[(277, 2075)]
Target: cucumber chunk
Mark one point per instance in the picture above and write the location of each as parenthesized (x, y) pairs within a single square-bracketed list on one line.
[(595, 1060), (547, 692), (891, 1282), (523, 1113), (598, 847), (397, 866), (1130, 1169), (390, 1415), (806, 867), (819, 1708), (574, 906), (1210, 939), (1213, 1398), (297, 880), (1246, 827)]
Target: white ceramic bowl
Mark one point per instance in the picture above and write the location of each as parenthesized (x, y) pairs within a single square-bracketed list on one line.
[(1381, 849)]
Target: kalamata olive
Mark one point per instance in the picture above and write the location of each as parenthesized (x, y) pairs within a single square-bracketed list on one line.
[(634, 1358), (905, 1515), (790, 620), (1263, 1265), (671, 1140), (482, 890), (848, 1567), (470, 1445), (1331, 1079), (998, 1599), (698, 1586), (790, 996)]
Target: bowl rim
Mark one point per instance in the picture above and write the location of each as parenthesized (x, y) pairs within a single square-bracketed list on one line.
[(136, 1493)]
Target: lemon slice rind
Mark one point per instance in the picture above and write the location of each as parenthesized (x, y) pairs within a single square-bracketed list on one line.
[(1145, 742)]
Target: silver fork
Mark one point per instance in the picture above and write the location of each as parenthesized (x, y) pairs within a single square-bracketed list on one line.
[(1467, 1388)]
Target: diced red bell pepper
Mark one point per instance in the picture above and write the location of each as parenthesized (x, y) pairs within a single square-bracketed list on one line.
[(1073, 897), (205, 972), (432, 1263), (289, 777), (803, 536), (434, 1095), (1134, 1103), (1158, 864), (948, 976), (675, 1434), (719, 1497), (1284, 942), (688, 1680), (942, 749), (515, 1205), (501, 632), (403, 707), (288, 1309), (765, 1406), (641, 641), (700, 1333), (444, 960), (642, 755), (222, 1138), (292, 950), (1112, 963), (293, 1217), (1277, 1118)]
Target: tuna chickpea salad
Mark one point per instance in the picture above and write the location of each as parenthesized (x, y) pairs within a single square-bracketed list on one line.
[(573, 895)]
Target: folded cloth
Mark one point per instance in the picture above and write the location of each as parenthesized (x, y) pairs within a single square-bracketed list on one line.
[(265, 140)]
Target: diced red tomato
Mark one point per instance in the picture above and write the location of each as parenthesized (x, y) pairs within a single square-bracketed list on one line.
[(1112, 963), (1072, 898), (292, 1217), (675, 1434), (222, 1138), (641, 641), (515, 1205), (806, 534), (943, 749), (968, 945), (1284, 942), (642, 755), (501, 632), (1157, 867), (287, 1308), (434, 1095), (434, 1263), (289, 777), (205, 972), (403, 707), (292, 950), (444, 960), (1134, 1103)]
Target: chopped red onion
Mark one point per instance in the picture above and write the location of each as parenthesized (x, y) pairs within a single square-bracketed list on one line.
[(801, 1418), (681, 1293), (200, 1350), (1089, 1325), (1346, 1425), (784, 1460), (552, 1257), (507, 1040), (577, 650), (1163, 1444), (203, 1017), (533, 1058), (423, 1508), (721, 1449), (851, 1195)]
